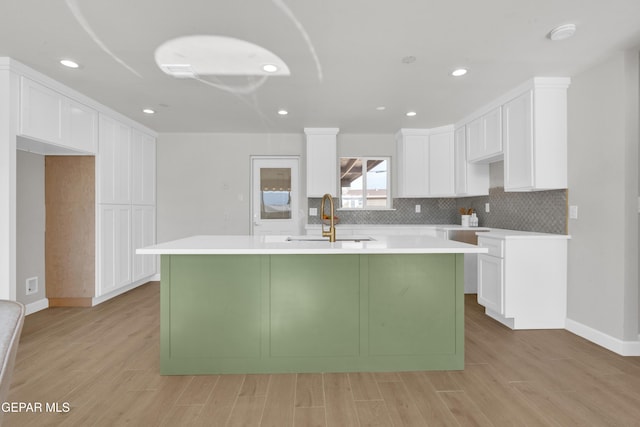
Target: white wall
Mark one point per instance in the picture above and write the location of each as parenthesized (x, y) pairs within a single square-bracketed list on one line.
[(204, 180), (603, 183), (30, 224), (375, 145)]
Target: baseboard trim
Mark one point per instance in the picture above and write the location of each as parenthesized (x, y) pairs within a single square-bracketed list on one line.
[(36, 306), (99, 300), (623, 348)]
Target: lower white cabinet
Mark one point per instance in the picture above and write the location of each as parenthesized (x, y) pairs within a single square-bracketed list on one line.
[(114, 247), (522, 280), (143, 234)]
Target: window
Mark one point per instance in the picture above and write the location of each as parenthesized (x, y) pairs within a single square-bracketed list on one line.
[(364, 183)]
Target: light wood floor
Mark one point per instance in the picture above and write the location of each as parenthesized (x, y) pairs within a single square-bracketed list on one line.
[(103, 361)]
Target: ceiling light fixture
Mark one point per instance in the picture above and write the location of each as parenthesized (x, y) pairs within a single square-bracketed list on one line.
[(459, 72), (269, 68), (283, 112), (148, 111), (562, 32), (411, 113), (69, 63), (381, 108)]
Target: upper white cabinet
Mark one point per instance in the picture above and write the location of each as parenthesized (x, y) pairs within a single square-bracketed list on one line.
[(484, 137), (143, 168), (535, 136), (412, 175), (322, 161), (48, 116), (441, 162), (40, 112), (114, 162), (471, 179), (83, 127), (425, 162)]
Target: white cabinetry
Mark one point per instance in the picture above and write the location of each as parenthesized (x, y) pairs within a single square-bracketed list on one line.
[(322, 161), (535, 137), (48, 116), (522, 280), (114, 262), (484, 137), (114, 162), (143, 168), (441, 162), (126, 201), (471, 179), (412, 175), (425, 162), (143, 219)]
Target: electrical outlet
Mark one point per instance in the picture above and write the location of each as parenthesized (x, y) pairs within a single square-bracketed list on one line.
[(486, 207), (31, 285), (418, 208), (573, 212), (313, 211)]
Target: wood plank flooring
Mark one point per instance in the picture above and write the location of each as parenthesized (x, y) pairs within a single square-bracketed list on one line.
[(104, 362)]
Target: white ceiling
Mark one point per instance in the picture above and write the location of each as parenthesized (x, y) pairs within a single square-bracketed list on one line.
[(345, 56)]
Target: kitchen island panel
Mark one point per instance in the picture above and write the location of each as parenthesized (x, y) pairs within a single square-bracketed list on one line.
[(412, 304), (302, 313), (315, 305)]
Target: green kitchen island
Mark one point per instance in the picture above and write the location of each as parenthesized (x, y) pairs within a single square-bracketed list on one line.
[(263, 304)]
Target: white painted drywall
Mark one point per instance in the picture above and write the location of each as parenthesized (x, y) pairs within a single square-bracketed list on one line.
[(603, 179), (204, 180), (30, 223)]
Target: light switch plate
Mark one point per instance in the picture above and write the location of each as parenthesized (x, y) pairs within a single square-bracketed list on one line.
[(313, 211), (486, 207), (418, 208)]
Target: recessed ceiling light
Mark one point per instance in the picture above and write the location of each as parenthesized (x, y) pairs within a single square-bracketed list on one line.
[(269, 68), (69, 63), (148, 111), (562, 32), (459, 72), (283, 112), (408, 59), (411, 113), (381, 108)]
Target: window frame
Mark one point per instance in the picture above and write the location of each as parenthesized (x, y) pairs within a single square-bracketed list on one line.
[(365, 207)]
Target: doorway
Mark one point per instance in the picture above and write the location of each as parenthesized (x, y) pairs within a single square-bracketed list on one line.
[(275, 196)]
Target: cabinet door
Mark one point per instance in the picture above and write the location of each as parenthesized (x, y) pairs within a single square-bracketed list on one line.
[(114, 162), (460, 161), (83, 127), (492, 133), (41, 112), (413, 171), (114, 265), (440, 166), (322, 161), (490, 282), (143, 168), (475, 139), (518, 142), (143, 234)]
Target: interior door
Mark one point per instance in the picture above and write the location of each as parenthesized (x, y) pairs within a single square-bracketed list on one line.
[(275, 196)]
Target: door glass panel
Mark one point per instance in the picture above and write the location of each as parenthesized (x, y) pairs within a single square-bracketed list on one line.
[(377, 183), (275, 193)]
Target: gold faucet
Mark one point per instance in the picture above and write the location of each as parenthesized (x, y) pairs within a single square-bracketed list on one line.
[(331, 233)]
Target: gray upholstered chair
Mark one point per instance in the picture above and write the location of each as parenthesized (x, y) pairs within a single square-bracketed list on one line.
[(11, 321)]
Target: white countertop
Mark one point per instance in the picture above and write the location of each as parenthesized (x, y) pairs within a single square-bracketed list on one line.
[(277, 245), (498, 233)]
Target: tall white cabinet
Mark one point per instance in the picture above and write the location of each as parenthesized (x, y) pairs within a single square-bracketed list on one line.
[(126, 204)]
